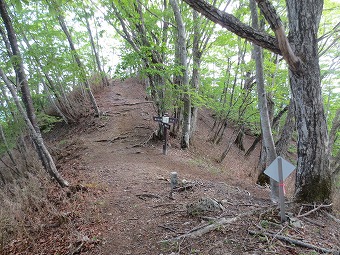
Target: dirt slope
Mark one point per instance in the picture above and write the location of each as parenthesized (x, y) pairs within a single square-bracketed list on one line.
[(120, 202)]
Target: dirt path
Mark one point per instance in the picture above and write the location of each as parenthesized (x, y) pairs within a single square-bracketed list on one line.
[(128, 209), (136, 208)]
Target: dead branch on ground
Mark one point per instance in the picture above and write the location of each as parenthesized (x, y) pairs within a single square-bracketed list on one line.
[(201, 230), (295, 241), (147, 140), (147, 195), (136, 103), (313, 210), (113, 139), (319, 224), (332, 217)]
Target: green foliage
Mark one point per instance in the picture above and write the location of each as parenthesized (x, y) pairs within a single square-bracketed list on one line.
[(11, 131), (46, 122), (147, 36)]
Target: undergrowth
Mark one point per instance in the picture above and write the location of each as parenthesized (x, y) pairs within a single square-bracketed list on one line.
[(23, 201)]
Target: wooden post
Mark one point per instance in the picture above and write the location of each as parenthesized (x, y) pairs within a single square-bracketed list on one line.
[(165, 122), (165, 144), (281, 192)]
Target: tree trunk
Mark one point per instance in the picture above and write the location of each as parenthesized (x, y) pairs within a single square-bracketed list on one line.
[(196, 59), (286, 134), (181, 42), (313, 177), (239, 139), (66, 111), (18, 65), (80, 64), (267, 136), (44, 154), (96, 55), (29, 115), (9, 152), (334, 129), (253, 145)]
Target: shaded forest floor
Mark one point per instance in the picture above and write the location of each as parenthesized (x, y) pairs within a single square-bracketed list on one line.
[(120, 201)]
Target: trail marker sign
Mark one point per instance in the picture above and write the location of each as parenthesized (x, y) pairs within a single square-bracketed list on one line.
[(165, 121), (279, 170), (272, 169)]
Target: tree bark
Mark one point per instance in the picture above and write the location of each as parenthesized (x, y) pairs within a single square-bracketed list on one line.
[(231, 23), (18, 65), (286, 134), (196, 59), (267, 135), (313, 178), (201, 37), (29, 114), (181, 42), (44, 154), (334, 129)]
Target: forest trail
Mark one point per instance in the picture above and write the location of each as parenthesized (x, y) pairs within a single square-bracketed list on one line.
[(136, 205), (120, 201)]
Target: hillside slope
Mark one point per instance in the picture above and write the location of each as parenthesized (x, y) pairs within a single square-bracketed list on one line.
[(120, 201)]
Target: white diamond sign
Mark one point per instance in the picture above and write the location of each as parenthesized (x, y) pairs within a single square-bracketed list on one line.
[(273, 169)]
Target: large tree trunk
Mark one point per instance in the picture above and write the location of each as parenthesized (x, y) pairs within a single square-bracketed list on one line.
[(181, 42), (313, 178)]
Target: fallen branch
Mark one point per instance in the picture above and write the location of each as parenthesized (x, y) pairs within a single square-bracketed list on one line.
[(147, 195), (153, 134), (136, 103), (168, 228), (313, 210), (296, 242), (319, 224), (112, 140), (199, 231), (332, 217)]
